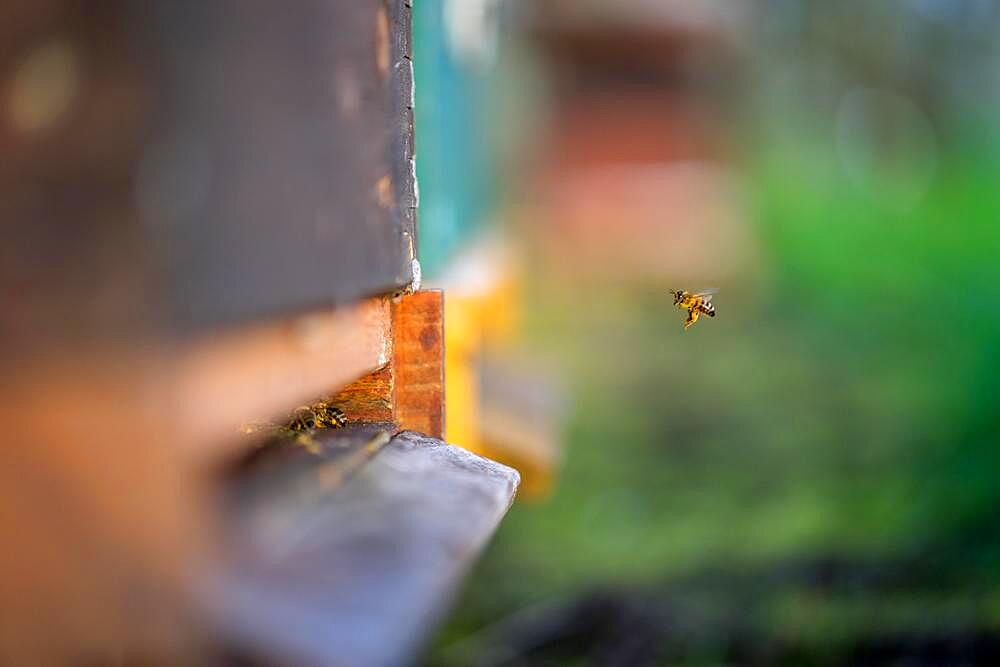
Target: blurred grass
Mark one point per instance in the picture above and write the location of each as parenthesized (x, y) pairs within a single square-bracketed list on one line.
[(843, 404)]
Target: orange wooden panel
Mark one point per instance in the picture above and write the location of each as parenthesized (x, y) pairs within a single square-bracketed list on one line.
[(418, 360)]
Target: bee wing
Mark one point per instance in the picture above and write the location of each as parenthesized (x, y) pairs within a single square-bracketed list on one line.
[(706, 294)]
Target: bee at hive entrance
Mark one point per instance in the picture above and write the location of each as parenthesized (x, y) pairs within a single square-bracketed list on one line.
[(301, 423)]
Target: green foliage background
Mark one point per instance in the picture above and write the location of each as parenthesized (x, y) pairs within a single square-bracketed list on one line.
[(819, 465), (843, 405)]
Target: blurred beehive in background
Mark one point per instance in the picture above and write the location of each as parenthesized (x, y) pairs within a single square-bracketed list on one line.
[(632, 161)]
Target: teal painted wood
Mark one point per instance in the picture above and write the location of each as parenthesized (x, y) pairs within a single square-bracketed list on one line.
[(454, 165)]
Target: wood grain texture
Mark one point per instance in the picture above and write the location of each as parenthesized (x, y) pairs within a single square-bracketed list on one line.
[(371, 566), (271, 488), (402, 143), (370, 398), (194, 164), (294, 151), (418, 359)]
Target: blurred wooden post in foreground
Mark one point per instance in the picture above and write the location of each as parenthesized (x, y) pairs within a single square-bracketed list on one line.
[(209, 217)]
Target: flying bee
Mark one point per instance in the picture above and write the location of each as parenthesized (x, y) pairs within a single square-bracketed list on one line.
[(695, 303)]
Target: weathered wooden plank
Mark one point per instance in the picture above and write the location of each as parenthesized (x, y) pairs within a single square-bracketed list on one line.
[(401, 92), (372, 568), (418, 359), (285, 476), (401, 29), (181, 165), (295, 127)]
